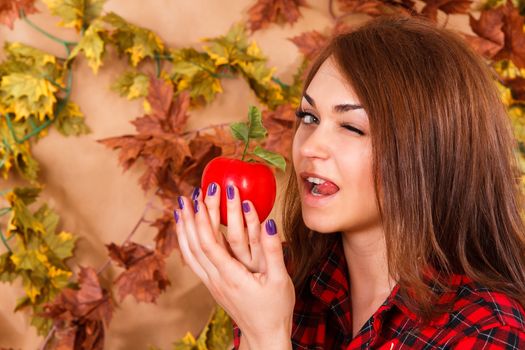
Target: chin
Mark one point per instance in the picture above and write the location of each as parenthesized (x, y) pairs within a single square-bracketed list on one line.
[(319, 227)]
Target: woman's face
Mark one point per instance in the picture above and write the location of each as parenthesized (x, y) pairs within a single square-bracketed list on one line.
[(333, 143)]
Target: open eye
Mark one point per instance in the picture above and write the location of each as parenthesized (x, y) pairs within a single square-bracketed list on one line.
[(306, 117)]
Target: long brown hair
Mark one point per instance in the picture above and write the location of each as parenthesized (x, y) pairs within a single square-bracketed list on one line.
[(445, 171)]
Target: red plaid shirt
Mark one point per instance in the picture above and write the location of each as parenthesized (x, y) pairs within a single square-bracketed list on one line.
[(479, 318)]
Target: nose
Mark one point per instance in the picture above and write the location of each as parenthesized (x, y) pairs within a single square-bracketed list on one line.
[(316, 144)]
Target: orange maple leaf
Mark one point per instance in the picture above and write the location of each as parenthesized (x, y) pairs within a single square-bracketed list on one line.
[(265, 12), (145, 276), (10, 10), (447, 6), (79, 315)]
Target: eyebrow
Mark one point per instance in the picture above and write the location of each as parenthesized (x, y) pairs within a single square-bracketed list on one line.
[(345, 107)]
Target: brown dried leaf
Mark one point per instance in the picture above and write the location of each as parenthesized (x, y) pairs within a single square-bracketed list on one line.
[(145, 276), (377, 7), (166, 238), (447, 6), (513, 24), (10, 9), (309, 43), (79, 315), (280, 126), (265, 12)]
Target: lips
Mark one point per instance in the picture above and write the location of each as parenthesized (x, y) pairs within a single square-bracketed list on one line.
[(304, 175)]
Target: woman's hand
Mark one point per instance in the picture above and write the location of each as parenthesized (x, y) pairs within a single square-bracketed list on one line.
[(254, 288)]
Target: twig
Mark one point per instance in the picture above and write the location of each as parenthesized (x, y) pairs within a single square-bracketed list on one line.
[(331, 9), (133, 231), (48, 338)]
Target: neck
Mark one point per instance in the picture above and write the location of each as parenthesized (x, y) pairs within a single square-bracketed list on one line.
[(365, 253)]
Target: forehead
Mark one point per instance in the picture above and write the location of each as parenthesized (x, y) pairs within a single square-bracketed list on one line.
[(330, 86)]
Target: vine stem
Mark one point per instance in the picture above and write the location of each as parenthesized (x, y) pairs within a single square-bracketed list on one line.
[(4, 241), (47, 34), (142, 219)]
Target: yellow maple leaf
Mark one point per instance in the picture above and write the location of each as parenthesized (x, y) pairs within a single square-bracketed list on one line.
[(25, 95), (92, 45), (76, 14)]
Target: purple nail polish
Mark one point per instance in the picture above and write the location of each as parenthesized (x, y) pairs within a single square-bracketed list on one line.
[(270, 227), (181, 202), (195, 194), (230, 192), (246, 207), (195, 206), (212, 189), (176, 215)]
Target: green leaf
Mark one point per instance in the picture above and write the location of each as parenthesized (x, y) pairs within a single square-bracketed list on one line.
[(133, 40), (220, 331), (272, 158), (7, 268), (76, 14), (132, 85), (240, 131), (70, 121), (256, 128), (27, 195)]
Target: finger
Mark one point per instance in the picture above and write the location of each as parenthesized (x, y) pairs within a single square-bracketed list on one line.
[(213, 203), (273, 252), (196, 193), (228, 269), (192, 232), (236, 236), (185, 249), (254, 235)]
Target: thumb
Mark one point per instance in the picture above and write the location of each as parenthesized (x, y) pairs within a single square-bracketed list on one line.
[(273, 251)]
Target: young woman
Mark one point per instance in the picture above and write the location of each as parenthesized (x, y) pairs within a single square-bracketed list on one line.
[(402, 214)]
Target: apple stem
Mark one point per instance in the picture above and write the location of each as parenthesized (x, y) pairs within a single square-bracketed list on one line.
[(247, 139)]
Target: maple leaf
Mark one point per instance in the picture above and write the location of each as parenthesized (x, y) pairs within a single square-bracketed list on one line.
[(216, 335), (279, 124), (265, 12), (166, 238), (133, 40), (79, 315), (145, 276), (76, 14), (25, 95), (309, 43), (203, 149), (92, 44), (197, 73), (10, 10), (132, 85), (447, 6), (70, 120), (158, 142), (502, 26), (376, 7)]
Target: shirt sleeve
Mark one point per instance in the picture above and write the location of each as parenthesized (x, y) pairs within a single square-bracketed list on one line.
[(496, 338)]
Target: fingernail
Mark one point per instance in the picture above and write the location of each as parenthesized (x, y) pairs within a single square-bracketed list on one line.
[(230, 192), (181, 202), (270, 227), (195, 206), (246, 207), (212, 188), (176, 215), (195, 194)]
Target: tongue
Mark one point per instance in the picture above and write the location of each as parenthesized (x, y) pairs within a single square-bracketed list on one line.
[(327, 188)]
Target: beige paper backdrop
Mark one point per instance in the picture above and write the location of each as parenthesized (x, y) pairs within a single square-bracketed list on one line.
[(96, 200)]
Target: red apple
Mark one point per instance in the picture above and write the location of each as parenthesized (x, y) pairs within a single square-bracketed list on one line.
[(255, 182)]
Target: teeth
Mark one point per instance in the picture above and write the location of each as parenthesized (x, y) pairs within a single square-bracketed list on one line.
[(315, 180)]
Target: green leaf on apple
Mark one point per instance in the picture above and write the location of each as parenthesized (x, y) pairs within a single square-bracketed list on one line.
[(274, 159), (255, 130)]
